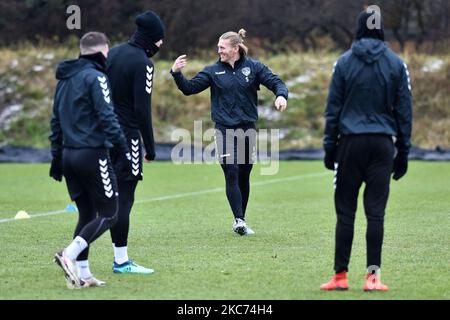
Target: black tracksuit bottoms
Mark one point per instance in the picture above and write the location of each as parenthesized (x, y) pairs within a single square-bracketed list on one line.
[(368, 159), (92, 184)]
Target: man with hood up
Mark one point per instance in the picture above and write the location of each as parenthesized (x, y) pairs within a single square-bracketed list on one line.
[(84, 127), (131, 72), (367, 137)]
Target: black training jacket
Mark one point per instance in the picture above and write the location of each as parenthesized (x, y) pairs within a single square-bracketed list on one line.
[(83, 114), (233, 91), (130, 73), (370, 93)]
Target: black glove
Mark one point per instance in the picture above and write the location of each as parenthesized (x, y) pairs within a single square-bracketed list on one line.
[(56, 170), (400, 165), (150, 157), (330, 158)]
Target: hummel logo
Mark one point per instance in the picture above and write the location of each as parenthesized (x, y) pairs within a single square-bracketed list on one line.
[(105, 90), (107, 186), (148, 82), (135, 156)]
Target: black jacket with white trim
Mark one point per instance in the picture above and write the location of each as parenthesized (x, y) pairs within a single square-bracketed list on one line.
[(130, 73), (83, 114)]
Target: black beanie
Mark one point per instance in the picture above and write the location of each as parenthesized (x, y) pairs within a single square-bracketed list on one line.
[(150, 25), (363, 30)]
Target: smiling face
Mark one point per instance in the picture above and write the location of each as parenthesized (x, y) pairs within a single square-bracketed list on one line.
[(227, 52)]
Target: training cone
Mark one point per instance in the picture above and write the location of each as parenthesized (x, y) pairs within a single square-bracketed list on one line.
[(71, 208), (22, 215)]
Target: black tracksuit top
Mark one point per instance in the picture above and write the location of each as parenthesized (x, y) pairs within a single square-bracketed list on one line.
[(233, 90), (130, 73), (83, 114)]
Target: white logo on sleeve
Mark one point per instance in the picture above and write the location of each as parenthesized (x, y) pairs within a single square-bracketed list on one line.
[(107, 186), (334, 67), (336, 167), (148, 80), (105, 90), (408, 77), (135, 156)]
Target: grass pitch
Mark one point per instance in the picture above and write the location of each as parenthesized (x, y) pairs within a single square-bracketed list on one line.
[(181, 226)]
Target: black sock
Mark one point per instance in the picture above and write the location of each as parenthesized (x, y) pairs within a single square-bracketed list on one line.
[(231, 172), (244, 184), (119, 233)]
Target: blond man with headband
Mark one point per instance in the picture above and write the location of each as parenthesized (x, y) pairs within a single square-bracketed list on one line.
[(234, 81)]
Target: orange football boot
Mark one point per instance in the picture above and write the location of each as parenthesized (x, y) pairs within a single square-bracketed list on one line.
[(373, 283), (338, 282)]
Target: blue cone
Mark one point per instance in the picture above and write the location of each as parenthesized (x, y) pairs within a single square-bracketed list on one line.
[(71, 208)]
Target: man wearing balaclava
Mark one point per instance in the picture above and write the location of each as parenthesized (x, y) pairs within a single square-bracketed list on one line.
[(131, 73), (367, 137)]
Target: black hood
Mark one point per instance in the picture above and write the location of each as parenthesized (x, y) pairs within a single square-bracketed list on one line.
[(369, 50), (69, 68)]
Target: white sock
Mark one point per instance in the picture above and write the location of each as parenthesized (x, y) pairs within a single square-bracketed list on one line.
[(376, 271), (83, 269), (120, 254), (74, 249)]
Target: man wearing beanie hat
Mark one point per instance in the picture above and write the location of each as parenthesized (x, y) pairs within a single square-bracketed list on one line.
[(369, 107), (131, 72)]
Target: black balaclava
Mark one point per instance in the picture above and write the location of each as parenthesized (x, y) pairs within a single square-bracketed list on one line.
[(363, 30), (150, 29)]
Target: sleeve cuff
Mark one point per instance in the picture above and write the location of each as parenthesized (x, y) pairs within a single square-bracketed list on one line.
[(175, 74)]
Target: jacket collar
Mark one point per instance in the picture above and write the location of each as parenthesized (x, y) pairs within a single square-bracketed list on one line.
[(237, 64)]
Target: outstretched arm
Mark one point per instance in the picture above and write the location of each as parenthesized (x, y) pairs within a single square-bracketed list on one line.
[(196, 85)]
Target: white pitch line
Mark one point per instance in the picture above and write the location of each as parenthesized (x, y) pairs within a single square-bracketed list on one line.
[(190, 194), (36, 215), (258, 183)]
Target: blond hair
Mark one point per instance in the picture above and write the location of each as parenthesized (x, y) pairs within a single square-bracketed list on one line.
[(236, 39)]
